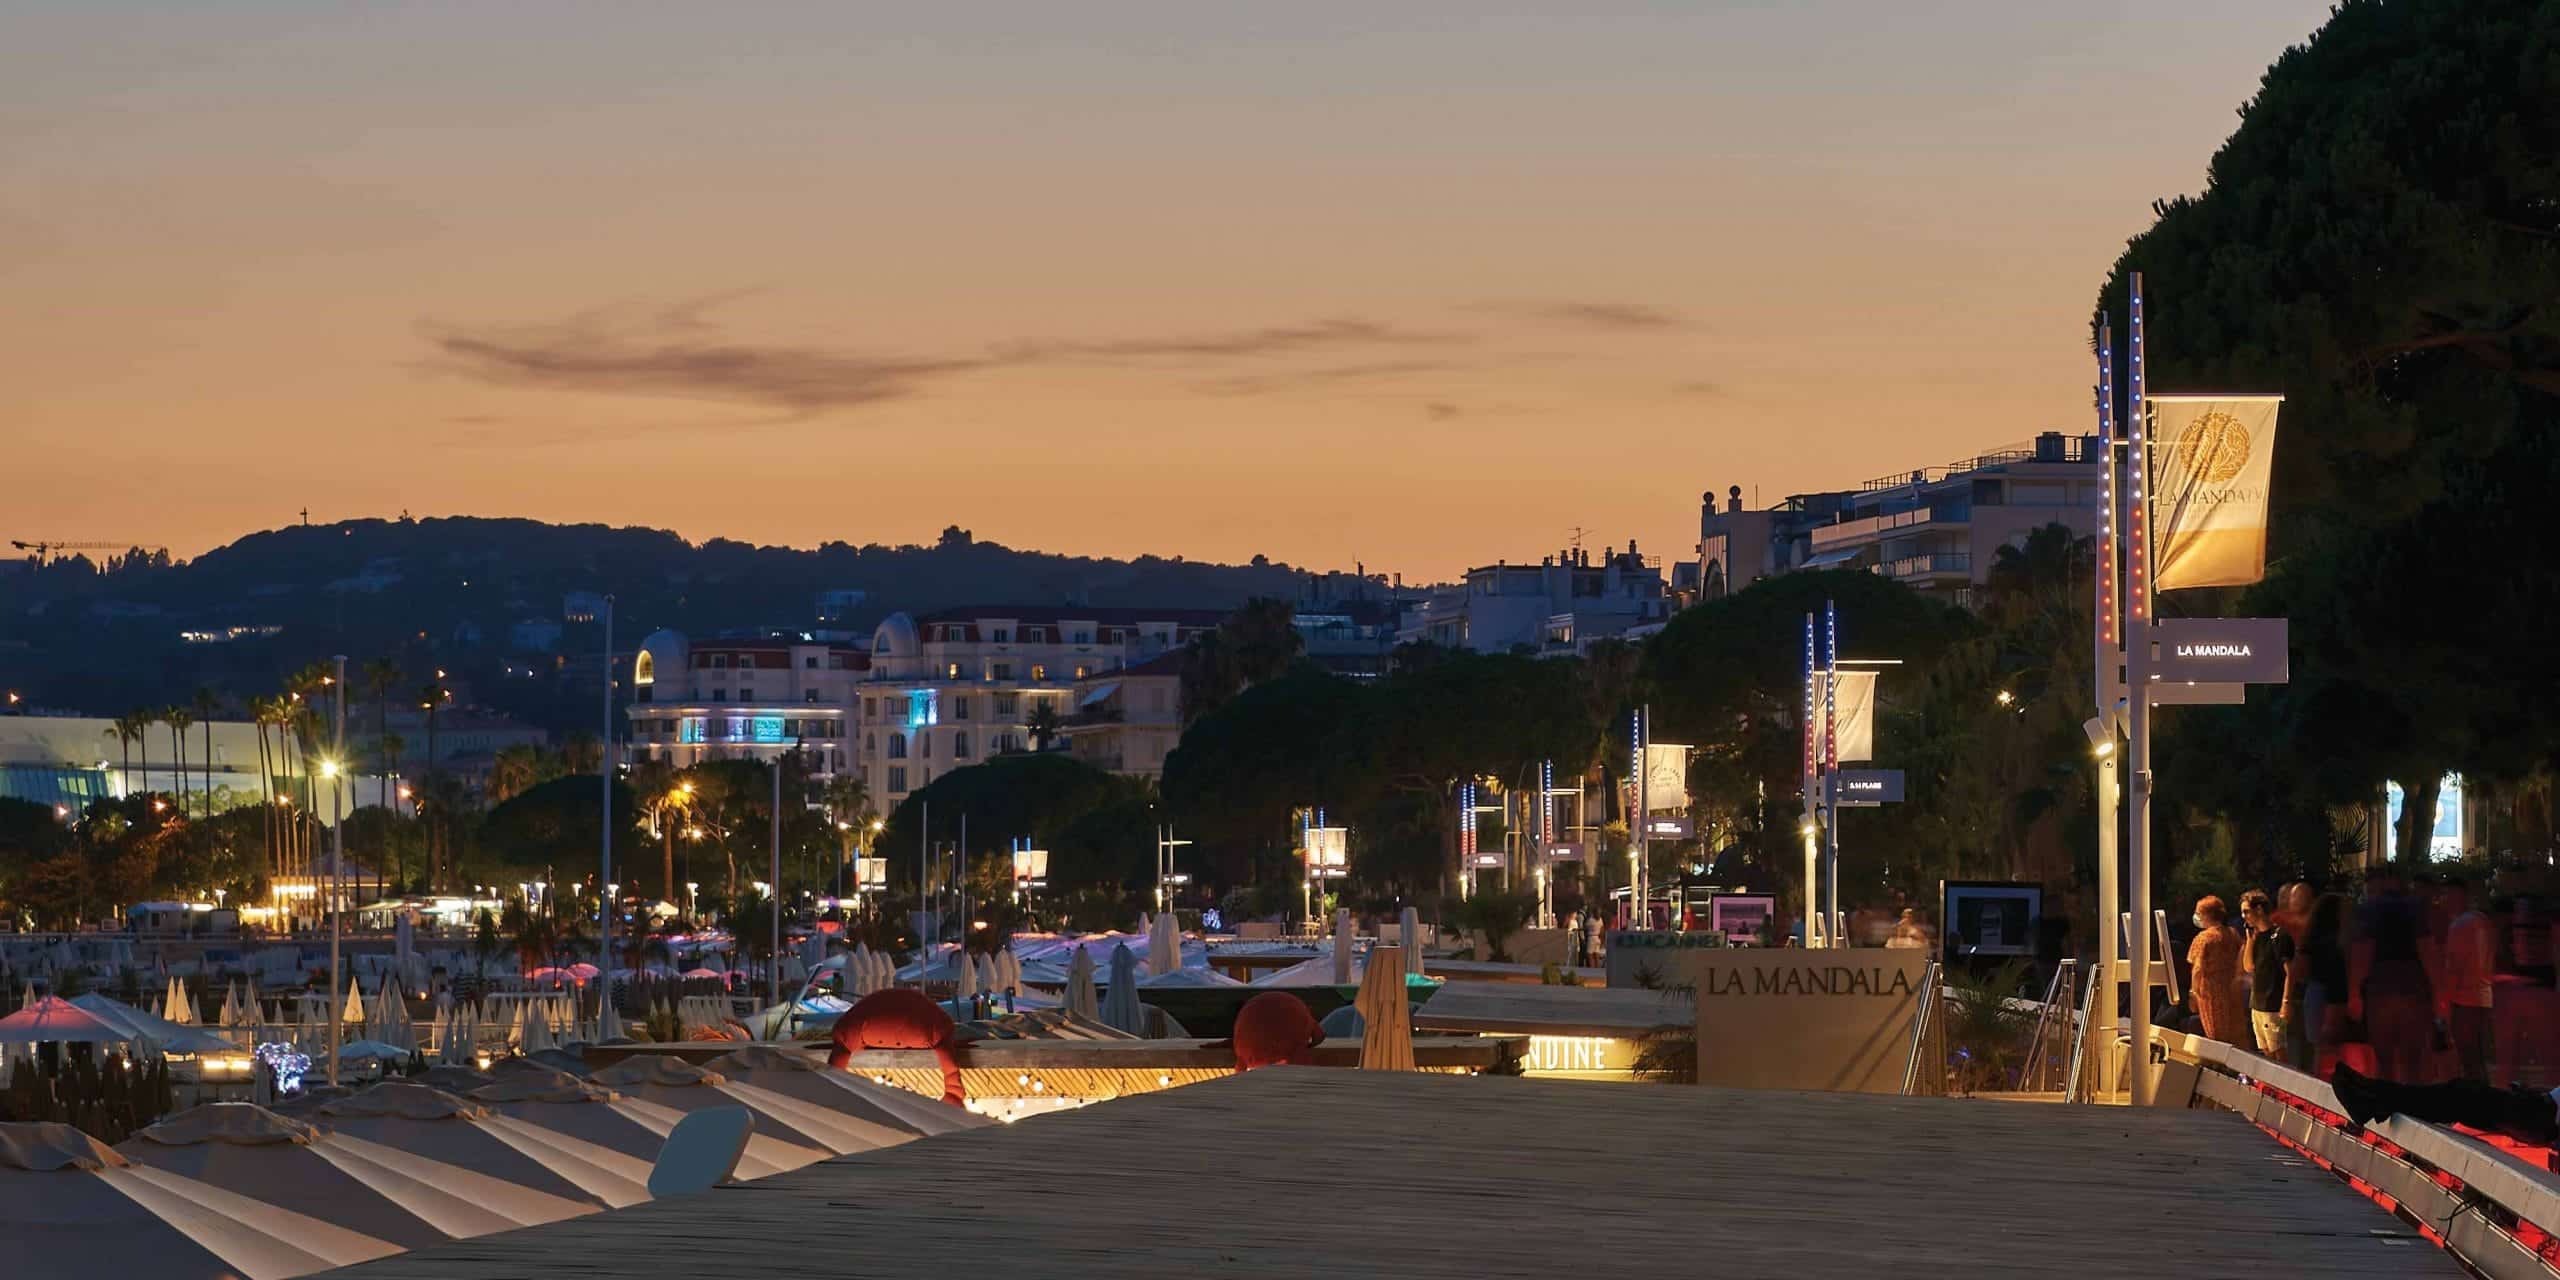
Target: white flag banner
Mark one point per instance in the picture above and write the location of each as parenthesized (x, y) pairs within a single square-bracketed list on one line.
[(1666, 777), (1854, 717), (2211, 462)]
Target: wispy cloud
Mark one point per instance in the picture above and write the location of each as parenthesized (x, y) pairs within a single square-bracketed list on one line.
[(1287, 380), (1697, 388), (1274, 340), (1440, 411), (1583, 314), (676, 353)]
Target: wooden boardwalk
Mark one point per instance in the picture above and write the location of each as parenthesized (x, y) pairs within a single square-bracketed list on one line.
[(1345, 1173)]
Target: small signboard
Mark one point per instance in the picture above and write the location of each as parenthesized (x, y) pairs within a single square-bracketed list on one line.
[(1866, 788), (2220, 650), (1667, 828), (1743, 917), (1564, 851), (1485, 860)]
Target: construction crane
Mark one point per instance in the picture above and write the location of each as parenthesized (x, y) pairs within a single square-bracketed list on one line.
[(45, 549)]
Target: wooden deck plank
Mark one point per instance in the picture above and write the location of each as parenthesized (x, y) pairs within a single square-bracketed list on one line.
[(1309, 1173)]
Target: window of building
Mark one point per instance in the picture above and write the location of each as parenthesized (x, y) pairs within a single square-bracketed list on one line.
[(809, 663), (897, 746), (719, 662), (790, 728), (870, 708), (960, 745), (951, 671), (1005, 744), (1081, 671), (897, 778), (871, 742), (1084, 637), (813, 696), (1001, 671), (746, 694), (960, 708), (1006, 705), (924, 745), (1039, 671), (1002, 636), (835, 662), (719, 695)]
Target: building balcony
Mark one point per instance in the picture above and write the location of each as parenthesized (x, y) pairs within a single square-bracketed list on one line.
[(1944, 564)]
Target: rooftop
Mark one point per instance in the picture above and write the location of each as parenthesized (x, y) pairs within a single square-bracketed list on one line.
[(1331, 1172)]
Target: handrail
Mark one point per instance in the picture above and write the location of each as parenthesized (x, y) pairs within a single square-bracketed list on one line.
[(2477, 1200), (1920, 1021)]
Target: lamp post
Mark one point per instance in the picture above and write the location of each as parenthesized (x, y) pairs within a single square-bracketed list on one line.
[(607, 1026), (1165, 874), (337, 852)]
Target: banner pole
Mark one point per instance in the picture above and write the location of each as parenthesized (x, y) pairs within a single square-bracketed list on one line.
[(1812, 855), (2107, 677), (2138, 627), (1831, 771)]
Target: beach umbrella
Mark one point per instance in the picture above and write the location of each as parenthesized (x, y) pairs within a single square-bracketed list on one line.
[(966, 979), (1009, 972), (1342, 946), (71, 1206), (1164, 945), (1386, 1036), (625, 1126), (402, 1199), (1081, 1000), (683, 1087), (369, 1051), (54, 1020), (354, 1012), (989, 980), (1121, 1008), (169, 1002), (144, 1026), (881, 1114), (439, 1126), (857, 971), (1409, 924)]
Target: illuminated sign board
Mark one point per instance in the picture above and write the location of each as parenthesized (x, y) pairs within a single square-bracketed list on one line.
[(1564, 851), (2220, 650), (1667, 828), (1552, 1054), (1866, 788), (1328, 852)]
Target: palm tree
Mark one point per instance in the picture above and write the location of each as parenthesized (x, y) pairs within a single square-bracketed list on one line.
[(1042, 722), (128, 731), (179, 720), (142, 721), (264, 713), (205, 705), (513, 771), (380, 676)]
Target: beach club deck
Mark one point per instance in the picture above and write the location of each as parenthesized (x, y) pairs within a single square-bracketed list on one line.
[(1295, 1172)]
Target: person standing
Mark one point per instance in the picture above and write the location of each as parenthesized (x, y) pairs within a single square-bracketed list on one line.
[(2213, 963), (2469, 991), (2293, 916), (2324, 988), (2391, 978), (2528, 999), (2274, 967)]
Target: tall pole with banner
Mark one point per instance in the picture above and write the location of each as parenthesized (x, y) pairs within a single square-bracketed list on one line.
[(2138, 1079), (1637, 891), (1831, 772), (2108, 678), (1812, 850)]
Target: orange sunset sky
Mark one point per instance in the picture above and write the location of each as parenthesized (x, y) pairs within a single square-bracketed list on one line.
[(1415, 284)]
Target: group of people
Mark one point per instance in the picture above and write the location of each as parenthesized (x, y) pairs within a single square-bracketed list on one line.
[(2410, 982)]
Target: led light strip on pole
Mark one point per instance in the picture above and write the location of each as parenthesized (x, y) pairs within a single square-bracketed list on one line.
[(1638, 893), (2107, 672), (1831, 772), (1812, 854), (2138, 626)]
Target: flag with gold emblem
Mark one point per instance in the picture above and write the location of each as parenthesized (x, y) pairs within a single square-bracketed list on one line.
[(2211, 464)]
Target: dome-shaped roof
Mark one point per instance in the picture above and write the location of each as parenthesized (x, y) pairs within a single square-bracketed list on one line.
[(663, 651), (895, 637)]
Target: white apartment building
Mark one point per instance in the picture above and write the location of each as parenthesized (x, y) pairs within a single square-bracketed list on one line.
[(948, 689), (1937, 530), (1128, 719), (1557, 606), (745, 699)]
